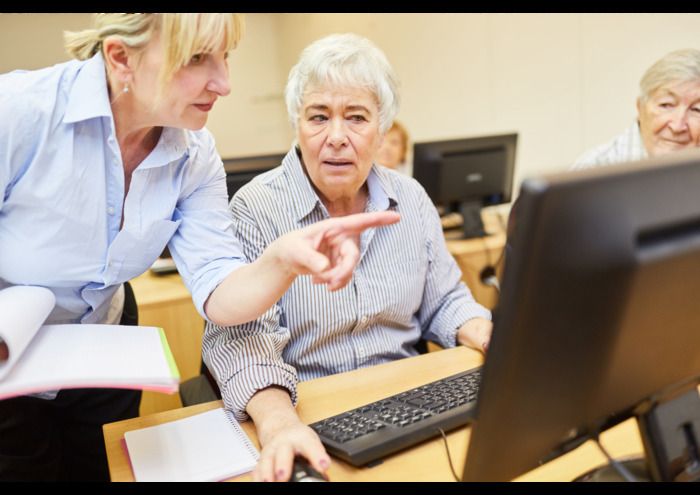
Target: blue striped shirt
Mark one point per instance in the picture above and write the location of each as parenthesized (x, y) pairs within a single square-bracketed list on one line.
[(405, 286)]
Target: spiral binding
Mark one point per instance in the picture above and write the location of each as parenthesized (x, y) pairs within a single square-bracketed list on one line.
[(241, 435)]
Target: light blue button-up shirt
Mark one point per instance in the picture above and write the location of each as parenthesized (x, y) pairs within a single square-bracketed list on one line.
[(62, 196)]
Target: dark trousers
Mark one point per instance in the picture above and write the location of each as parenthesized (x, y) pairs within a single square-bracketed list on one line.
[(61, 439)]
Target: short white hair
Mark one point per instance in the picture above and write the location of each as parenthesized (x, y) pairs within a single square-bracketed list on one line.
[(344, 60), (680, 65)]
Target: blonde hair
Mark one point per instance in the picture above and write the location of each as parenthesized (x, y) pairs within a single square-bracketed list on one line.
[(680, 65), (344, 60), (403, 133), (182, 36)]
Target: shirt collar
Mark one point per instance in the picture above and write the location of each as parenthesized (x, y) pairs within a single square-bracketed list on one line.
[(89, 97), (381, 194), (172, 145), (637, 141)]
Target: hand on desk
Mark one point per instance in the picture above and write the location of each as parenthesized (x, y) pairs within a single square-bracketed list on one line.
[(475, 333), (282, 436), (281, 444)]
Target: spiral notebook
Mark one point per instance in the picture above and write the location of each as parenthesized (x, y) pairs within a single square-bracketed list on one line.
[(210, 446)]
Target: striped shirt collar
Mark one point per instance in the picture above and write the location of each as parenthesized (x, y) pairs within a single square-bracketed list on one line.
[(381, 193)]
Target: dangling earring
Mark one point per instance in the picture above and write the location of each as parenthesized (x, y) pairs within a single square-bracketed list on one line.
[(125, 90)]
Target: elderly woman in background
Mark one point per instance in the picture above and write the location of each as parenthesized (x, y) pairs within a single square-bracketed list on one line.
[(394, 149), (341, 98), (668, 114), (103, 161)]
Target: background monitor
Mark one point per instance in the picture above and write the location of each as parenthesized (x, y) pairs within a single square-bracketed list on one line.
[(464, 175), (599, 318), (240, 171)]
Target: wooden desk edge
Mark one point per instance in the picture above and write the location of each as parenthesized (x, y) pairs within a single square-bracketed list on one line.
[(315, 403), (426, 367)]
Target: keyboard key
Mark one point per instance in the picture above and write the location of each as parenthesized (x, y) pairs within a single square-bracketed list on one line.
[(375, 430)]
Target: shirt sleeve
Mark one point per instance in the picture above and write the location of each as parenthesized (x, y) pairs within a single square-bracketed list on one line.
[(204, 246), (447, 302), (601, 155), (247, 358), (18, 132)]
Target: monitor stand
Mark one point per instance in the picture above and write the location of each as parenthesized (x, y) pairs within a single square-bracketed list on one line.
[(670, 431), (471, 214), (637, 467)]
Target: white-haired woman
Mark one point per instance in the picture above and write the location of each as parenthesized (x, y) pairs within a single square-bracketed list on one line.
[(341, 98), (668, 113), (103, 162)]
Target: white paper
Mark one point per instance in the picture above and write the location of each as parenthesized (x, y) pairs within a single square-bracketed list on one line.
[(23, 310), (209, 446), (86, 356)]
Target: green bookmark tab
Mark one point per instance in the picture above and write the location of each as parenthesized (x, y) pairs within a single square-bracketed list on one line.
[(169, 355)]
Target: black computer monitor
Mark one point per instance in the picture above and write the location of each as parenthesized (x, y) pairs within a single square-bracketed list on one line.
[(464, 175), (240, 171), (598, 320)]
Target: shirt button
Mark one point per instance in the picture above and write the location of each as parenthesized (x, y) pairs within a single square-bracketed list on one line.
[(110, 210), (364, 319)]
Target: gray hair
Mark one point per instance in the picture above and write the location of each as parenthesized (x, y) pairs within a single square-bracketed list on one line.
[(344, 60), (680, 65)]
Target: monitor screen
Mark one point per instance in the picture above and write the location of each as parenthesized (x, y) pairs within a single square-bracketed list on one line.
[(598, 312), (464, 175), (240, 171)]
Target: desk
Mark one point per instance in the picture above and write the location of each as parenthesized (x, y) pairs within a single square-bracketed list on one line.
[(473, 255), (163, 301), (330, 395)]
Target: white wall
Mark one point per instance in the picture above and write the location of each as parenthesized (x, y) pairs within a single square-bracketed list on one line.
[(252, 120), (564, 82), (32, 41)]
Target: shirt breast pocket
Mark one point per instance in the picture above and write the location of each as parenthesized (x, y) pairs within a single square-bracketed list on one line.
[(401, 290), (145, 248)]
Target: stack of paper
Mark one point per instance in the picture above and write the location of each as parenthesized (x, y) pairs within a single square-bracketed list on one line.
[(53, 357)]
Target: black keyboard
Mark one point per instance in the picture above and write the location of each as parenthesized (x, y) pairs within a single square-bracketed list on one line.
[(375, 430)]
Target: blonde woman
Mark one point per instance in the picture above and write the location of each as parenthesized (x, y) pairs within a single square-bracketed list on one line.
[(393, 151), (104, 160)]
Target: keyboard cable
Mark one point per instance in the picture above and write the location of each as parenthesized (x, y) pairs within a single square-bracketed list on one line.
[(487, 275), (622, 470), (449, 457)]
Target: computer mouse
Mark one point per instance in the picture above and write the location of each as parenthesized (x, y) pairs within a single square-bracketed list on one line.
[(303, 471)]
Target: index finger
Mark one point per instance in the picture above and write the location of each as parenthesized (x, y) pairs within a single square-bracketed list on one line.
[(355, 223)]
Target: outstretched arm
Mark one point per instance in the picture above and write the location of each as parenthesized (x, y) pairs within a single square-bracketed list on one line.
[(327, 250)]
